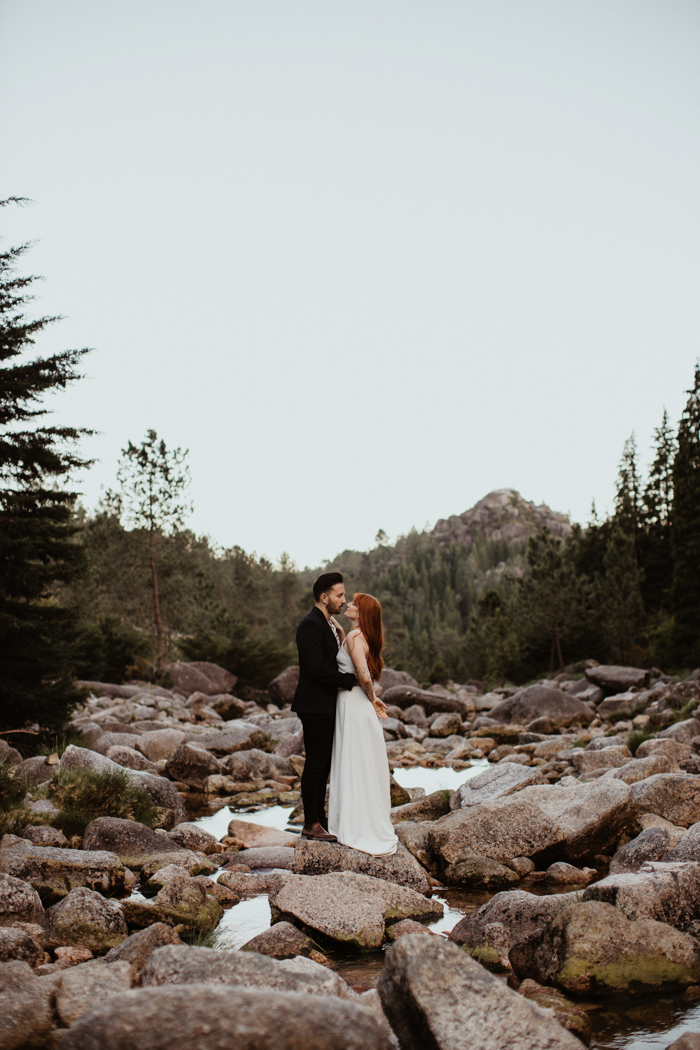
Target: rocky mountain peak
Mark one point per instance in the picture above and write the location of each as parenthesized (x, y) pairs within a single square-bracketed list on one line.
[(503, 514)]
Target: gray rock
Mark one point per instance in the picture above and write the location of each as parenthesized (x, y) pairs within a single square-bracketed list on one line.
[(343, 914), (623, 705), (391, 678), (430, 807), (562, 874), (650, 844), (137, 948), (9, 755), (641, 768), (85, 919), (404, 696), (245, 835), (161, 877), (182, 901), (252, 884), (108, 740), (36, 770), (489, 932), (200, 676), (667, 892), (678, 752), (446, 725), (18, 944), (686, 848), (284, 686), (320, 858), (688, 1041), (209, 1018), (255, 764), (675, 796), (192, 837), (129, 758), (160, 743), (193, 863), (227, 706), (233, 736), (415, 837), (591, 947), (682, 732), (291, 744), (25, 1008), (599, 743), (497, 782), (436, 996), (186, 965), (537, 822), (133, 843), (607, 758), (19, 902), (614, 679), (43, 835), (539, 701), (163, 792), (192, 765), (81, 987), (267, 857), (55, 872), (281, 941)]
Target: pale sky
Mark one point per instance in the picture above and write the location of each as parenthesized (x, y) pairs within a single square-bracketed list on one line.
[(367, 260)]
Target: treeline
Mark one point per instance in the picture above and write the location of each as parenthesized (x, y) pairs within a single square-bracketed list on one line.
[(118, 593)]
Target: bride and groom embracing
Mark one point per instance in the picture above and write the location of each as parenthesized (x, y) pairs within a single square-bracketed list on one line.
[(341, 718)]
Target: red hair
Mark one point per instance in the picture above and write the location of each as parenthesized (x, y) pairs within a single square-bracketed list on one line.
[(370, 624)]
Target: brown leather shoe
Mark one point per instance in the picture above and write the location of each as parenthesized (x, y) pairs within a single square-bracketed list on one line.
[(317, 833)]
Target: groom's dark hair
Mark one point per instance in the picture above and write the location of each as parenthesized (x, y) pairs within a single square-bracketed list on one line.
[(324, 583)]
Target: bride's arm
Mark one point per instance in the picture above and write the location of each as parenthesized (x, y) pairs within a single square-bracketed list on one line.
[(357, 648)]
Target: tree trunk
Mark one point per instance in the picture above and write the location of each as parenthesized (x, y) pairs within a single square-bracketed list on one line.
[(160, 647), (558, 644)]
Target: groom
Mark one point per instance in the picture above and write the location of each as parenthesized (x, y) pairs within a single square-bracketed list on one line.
[(318, 642)]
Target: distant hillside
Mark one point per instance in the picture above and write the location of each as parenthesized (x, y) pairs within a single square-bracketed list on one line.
[(502, 515), (429, 582)]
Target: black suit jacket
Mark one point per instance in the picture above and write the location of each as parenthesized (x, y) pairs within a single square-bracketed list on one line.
[(319, 677)]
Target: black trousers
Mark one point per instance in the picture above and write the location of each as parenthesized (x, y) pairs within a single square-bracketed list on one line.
[(318, 744)]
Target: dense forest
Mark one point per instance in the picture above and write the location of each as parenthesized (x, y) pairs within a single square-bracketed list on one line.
[(505, 592)]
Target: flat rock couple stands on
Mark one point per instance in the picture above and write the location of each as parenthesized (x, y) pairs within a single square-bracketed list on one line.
[(341, 718)]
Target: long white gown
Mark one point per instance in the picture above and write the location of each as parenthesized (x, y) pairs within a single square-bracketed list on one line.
[(360, 793)]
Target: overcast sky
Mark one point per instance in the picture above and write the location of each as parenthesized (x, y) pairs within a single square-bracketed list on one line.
[(367, 260)]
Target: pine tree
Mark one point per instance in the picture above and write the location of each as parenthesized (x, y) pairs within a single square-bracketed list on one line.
[(628, 498), (37, 526), (656, 555), (153, 480), (685, 535), (623, 610)]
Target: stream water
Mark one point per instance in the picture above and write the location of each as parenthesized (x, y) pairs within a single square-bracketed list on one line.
[(618, 1023)]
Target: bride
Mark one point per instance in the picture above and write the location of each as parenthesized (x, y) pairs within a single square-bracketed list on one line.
[(360, 793)]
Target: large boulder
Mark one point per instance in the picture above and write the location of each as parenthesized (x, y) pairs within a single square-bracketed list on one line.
[(497, 782), (200, 676), (657, 745), (81, 987), (237, 735), (9, 755), (605, 758), (284, 686), (320, 858), (280, 857), (281, 941), (404, 696), (55, 872), (244, 834), (591, 947), (650, 844), (182, 901), (489, 933), (19, 902), (191, 765), (623, 705), (108, 740), (185, 965), (675, 796), (160, 743), (193, 837), (36, 770), (641, 768), (137, 948), (614, 679), (391, 678), (436, 996), (682, 732), (25, 1008), (162, 791), (429, 807), (541, 701), (86, 919), (130, 758), (667, 892), (348, 908), (19, 944), (255, 764), (209, 1018), (133, 843), (543, 823), (687, 847)]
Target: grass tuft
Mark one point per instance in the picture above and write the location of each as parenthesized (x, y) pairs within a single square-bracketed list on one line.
[(637, 737), (83, 795)]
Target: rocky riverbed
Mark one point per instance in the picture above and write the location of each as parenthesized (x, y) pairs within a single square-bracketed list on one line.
[(546, 890)]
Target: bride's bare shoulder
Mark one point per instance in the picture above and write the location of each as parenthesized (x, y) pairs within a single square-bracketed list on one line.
[(354, 635)]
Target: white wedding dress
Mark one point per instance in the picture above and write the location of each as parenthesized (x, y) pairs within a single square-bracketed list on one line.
[(360, 793)]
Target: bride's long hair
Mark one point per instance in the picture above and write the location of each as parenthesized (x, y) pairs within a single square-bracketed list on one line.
[(370, 624)]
